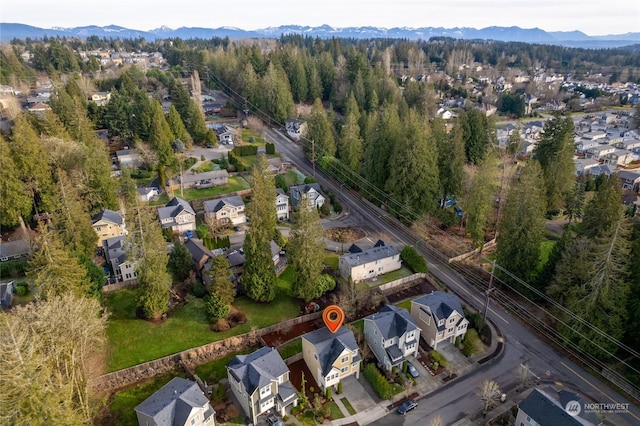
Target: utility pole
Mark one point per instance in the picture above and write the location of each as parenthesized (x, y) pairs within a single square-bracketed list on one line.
[(486, 303), (313, 156)]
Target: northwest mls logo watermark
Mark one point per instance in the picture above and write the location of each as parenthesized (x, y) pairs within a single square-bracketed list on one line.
[(574, 408)]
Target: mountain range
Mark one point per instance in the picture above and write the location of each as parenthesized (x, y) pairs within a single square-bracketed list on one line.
[(9, 31)]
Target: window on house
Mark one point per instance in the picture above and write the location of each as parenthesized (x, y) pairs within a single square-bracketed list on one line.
[(452, 320), (450, 330), (265, 391), (441, 322), (344, 359), (344, 369)]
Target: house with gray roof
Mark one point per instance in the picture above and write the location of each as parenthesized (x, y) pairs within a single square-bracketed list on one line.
[(201, 180), (550, 408), (282, 204), (260, 382), (310, 191), (331, 357), (440, 317), (108, 224), (178, 403), (369, 263), (392, 336), (6, 294), (295, 128), (630, 180), (115, 253), (224, 211), (10, 250), (177, 215)]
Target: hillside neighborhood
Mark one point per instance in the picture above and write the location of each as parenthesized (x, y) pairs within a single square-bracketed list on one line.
[(476, 222)]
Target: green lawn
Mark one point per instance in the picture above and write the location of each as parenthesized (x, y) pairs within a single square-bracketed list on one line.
[(331, 260), (336, 412), (384, 279), (348, 406), (472, 336), (124, 402), (359, 325), (133, 341), (247, 134), (236, 183), (206, 166), (215, 370), (291, 348), (406, 304)]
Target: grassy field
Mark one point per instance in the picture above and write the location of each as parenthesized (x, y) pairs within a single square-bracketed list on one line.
[(406, 304), (133, 341), (335, 411), (122, 407), (247, 134), (472, 336), (384, 279), (236, 183), (331, 260)]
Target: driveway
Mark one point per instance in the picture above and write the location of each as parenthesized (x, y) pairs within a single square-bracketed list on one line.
[(460, 363), (356, 393)]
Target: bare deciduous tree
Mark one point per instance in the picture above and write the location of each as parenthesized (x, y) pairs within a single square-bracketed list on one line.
[(436, 421), (489, 393)]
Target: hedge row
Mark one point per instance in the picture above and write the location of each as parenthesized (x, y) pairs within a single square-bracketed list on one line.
[(379, 383), (410, 256)]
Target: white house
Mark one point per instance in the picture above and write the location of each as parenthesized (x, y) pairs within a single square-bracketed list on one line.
[(282, 204), (369, 263), (392, 336), (310, 191), (177, 215), (440, 317)]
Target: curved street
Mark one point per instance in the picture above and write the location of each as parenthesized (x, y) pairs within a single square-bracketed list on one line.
[(458, 400)]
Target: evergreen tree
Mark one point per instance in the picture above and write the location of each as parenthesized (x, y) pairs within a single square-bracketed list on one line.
[(478, 134), (221, 284), (521, 229), (603, 211), (350, 144), (306, 249), (320, 131), (31, 164), (451, 158), (415, 179), (15, 202), (180, 263), (259, 277), (555, 154), (574, 202), (177, 127), (479, 201), (383, 132), (54, 271), (160, 138), (277, 93), (71, 219)]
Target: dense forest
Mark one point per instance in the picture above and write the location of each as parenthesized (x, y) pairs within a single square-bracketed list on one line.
[(376, 134)]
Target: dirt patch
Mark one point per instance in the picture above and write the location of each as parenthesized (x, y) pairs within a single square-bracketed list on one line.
[(345, 235), (278, 338), (419, 288), (296, 370)]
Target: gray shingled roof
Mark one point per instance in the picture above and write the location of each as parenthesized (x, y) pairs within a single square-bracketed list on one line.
[(172, 404), (329, 346), (257, 369), (441, 304), (370, 255), (15, 248), (213, 206), (392, 321), (545, 410), (298, 190), (197, 249), (108, 216), (174, 208)]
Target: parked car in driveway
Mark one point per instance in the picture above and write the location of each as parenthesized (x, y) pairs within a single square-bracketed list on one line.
[(407, 406), (412, 370), (273, 420)]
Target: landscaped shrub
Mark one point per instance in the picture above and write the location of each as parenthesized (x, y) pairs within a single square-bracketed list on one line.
[(310, 179), (378, 381), (270, 148), (329, 393), (410, 256), (337, 207), (339, 388), (22, 289), (325, 210), (198, 289), (437, 357), (217, 308), (243, 151), (476, 320)]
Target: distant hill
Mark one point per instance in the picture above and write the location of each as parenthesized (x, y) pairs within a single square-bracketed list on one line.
[(9, 31)]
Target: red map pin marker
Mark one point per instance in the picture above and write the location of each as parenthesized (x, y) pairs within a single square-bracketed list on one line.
[(333, 317)]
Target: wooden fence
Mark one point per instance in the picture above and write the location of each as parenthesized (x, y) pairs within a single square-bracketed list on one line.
[(401, 281)]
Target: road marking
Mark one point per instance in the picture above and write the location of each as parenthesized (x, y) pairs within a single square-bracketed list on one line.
[(596, 388)]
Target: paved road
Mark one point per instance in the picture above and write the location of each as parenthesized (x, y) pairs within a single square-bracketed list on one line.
[(521, 345)]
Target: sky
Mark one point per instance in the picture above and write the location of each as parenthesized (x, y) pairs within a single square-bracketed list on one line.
[(593, 17)]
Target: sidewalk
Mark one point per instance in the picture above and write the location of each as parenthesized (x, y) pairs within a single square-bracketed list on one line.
[(425, 387)]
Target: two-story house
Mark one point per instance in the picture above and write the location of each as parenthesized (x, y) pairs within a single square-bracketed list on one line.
[(260, 382), (369, 263), (630, 180), (228, 210), (440, 317), (282, 204), (546, 407), (310, 191), (295, 128), (129, 158), (178, 403), (108, 224), (177, 215), (200, 180), (331, 357), (115, 253), (392, 336), (226, 134)]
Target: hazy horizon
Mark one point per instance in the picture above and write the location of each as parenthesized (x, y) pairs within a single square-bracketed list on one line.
[(592, 17)]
